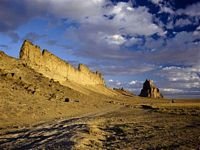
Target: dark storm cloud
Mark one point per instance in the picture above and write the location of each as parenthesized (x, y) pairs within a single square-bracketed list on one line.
[(12, 14)]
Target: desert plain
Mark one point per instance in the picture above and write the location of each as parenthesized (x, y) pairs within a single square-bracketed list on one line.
[(39, 112)]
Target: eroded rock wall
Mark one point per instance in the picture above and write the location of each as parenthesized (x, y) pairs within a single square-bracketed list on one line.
[(53, 67)]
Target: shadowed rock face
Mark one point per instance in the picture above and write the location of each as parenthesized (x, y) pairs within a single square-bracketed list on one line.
[(53, 67), (150, 90)]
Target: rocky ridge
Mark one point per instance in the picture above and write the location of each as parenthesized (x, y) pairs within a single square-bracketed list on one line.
[(53, 67)]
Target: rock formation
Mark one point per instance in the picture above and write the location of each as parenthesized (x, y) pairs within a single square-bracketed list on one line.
[(53, 67), (150, 90), (124, 92)]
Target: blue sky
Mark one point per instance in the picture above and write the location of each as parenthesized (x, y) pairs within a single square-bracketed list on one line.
[(127, 40)]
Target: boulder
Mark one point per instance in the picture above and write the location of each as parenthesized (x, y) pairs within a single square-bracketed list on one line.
[(67, 100), (150, 90)]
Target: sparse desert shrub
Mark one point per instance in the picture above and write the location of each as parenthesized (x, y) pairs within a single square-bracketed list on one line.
[(76, 100), (52, 96), (147, 107), (67, 100), (30, 89)]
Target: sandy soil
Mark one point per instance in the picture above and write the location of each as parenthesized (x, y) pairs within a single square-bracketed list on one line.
[(39, 113), (119, 127)]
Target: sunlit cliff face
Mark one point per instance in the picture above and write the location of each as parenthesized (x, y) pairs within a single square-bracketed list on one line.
[(55, 68)]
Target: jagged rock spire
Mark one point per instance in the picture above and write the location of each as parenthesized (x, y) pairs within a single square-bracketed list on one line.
[(150, 90)]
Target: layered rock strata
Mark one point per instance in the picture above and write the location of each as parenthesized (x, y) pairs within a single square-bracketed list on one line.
[(53, 67)]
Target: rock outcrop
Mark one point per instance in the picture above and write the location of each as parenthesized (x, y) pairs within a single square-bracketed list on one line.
[(150, 90), (124, 92), (53, 67), (2, 53)]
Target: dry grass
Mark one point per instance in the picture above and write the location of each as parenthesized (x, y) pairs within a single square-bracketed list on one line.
[(37, 112)]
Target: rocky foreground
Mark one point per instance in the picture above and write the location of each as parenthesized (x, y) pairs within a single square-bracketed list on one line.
[(38, 112)]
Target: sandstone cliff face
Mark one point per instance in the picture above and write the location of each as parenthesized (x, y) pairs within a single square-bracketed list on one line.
[(150, 90), (53, 67)]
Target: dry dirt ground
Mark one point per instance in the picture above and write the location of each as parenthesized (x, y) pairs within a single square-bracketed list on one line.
[(40, 113)]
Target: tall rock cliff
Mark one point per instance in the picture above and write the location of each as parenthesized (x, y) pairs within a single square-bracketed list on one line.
[(150, 90), (53, 67)]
